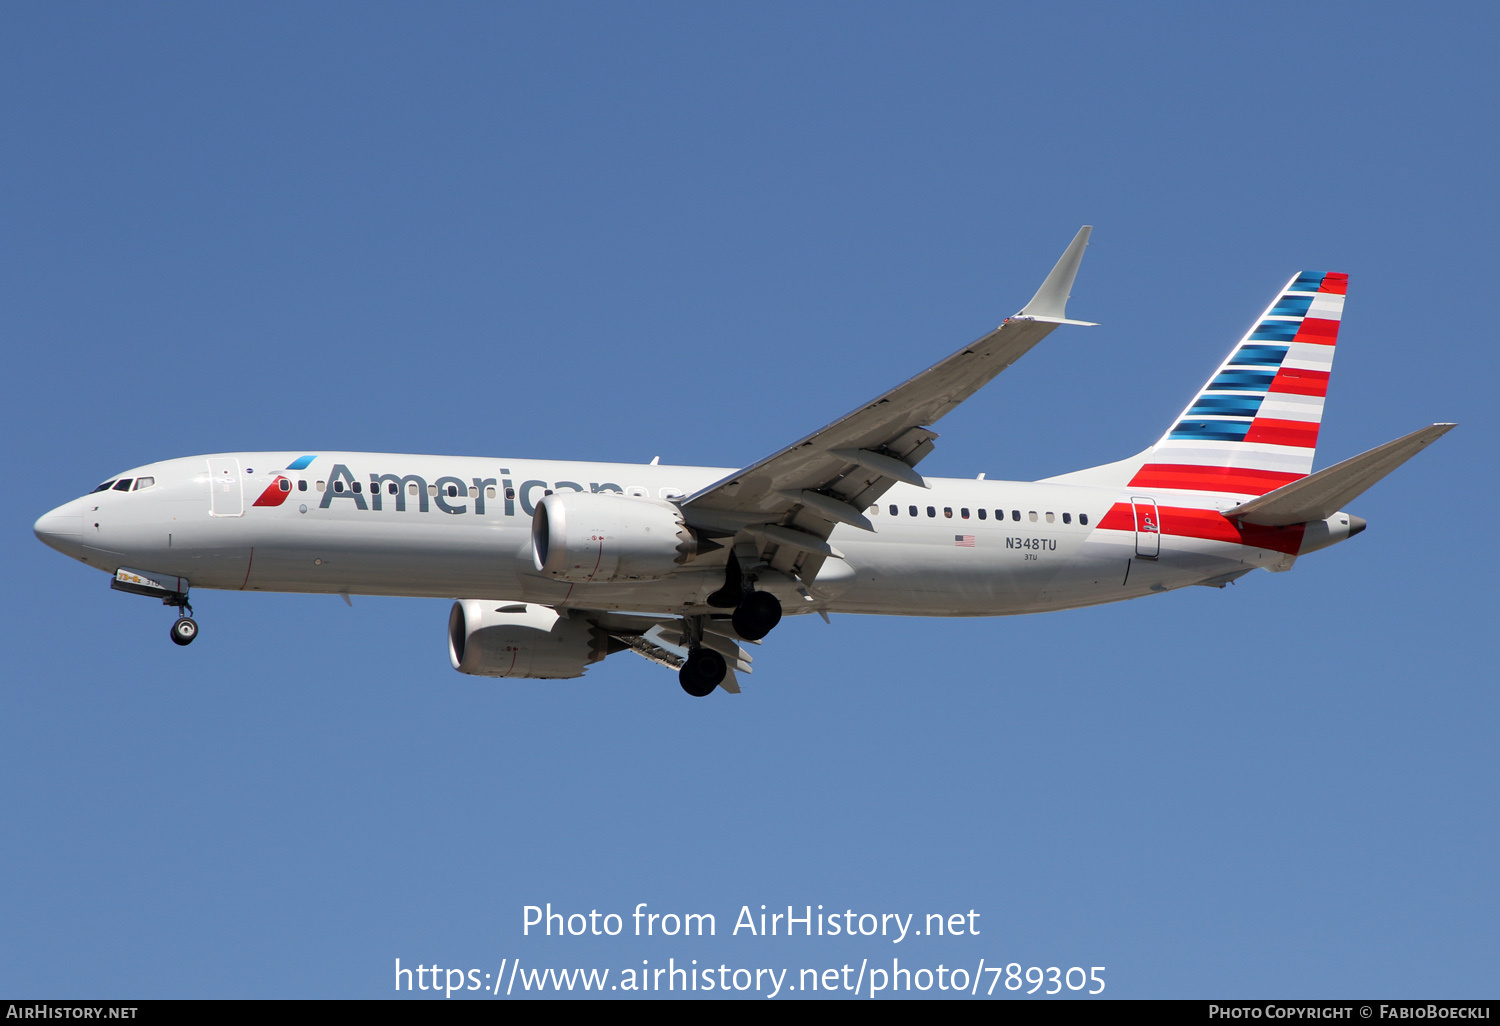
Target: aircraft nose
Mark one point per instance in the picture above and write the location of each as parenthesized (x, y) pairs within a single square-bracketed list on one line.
[(62, 529)]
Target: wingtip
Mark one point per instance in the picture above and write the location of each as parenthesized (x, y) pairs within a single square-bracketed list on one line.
[(1051, 300)]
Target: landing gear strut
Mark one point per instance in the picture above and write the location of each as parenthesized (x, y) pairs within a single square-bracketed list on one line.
[(703, 671)]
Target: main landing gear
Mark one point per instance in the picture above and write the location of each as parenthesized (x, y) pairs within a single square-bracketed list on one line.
[(755, 616), (756, 613), (704, 670)]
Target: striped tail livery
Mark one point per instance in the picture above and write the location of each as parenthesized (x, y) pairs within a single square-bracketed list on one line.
[(1236, 466)]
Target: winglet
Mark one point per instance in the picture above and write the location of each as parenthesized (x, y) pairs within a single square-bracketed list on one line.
[(1051, 300)]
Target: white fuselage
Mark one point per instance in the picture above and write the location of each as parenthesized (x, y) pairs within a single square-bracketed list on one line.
[(461, 527)]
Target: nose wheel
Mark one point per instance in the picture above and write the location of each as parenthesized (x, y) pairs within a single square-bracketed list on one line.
[(184, 630)]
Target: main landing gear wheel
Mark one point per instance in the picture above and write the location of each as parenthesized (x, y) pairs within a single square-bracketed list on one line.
[(755, 616), (185, 630), (702, 672)]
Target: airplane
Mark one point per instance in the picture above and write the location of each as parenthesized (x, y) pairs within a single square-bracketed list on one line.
[(566, 563)]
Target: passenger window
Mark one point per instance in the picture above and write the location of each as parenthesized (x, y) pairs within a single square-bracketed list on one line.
[(358, 487), (948, 512), (147, 482), (913, 510), (1031, 515), (1067, 518), (103, 488), (338, 486), (510, 493), (982, 514), (1015, 514), (874, 509), (301, 486), (964, 512), (489, 493), (411, 488), (453, 491), (283, 484), (932, 511), (895, 510), (432, 489), (1083, 518), (1051, 517), (391, 487), (122, 485), (321, 486)]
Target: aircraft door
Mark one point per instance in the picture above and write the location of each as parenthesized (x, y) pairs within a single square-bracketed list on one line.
[(1147, 527), (225, 488)]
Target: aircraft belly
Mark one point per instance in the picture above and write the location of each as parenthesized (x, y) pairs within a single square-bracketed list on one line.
[(967, 576), (367, 556)]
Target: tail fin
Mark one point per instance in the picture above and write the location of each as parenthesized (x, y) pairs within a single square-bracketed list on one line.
[(1254, 425)]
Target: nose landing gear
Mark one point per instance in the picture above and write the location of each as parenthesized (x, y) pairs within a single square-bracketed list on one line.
[(184, 630), (173, 591)]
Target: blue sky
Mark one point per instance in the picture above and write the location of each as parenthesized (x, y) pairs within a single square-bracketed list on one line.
[(616, 232)]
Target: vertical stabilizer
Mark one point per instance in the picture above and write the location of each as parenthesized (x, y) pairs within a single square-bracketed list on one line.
[(1254, 425)]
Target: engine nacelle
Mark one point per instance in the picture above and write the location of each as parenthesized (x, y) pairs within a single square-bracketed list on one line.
[(520, 639), (593, 538)]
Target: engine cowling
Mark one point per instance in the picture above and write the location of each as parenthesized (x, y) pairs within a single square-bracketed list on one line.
[(520, 639), (590, 538)]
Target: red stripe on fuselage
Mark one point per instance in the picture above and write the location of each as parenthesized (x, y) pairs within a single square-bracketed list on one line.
[(1210, 479), (1209, 524), (1266, 431)]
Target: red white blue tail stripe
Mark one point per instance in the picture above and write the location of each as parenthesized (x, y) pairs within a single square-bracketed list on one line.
[(1254, 425)]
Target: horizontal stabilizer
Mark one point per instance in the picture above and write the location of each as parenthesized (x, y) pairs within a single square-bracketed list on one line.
[(1320, 495)]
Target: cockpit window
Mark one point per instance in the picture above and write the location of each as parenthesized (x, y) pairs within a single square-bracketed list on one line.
[(144, 482), (122, 485), (103, 488)]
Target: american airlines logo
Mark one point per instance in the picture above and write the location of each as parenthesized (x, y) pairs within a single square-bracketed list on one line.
[(449, 494)]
